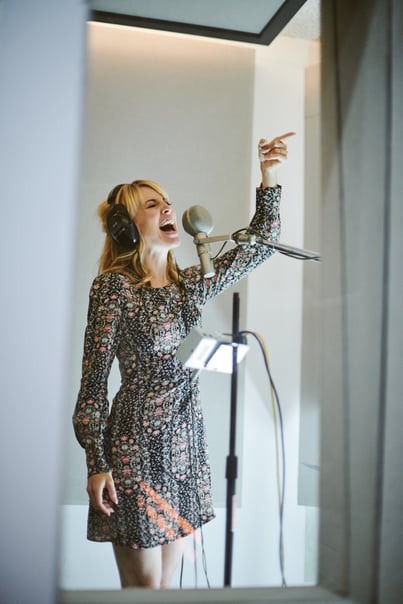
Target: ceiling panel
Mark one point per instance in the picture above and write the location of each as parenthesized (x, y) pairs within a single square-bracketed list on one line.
[(241, 15), (254, 21)]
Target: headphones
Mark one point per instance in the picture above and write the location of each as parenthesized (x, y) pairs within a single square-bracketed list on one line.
[(119, 224)]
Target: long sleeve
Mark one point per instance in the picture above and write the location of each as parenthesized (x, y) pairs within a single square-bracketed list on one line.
[(241, 260), (100, 344)]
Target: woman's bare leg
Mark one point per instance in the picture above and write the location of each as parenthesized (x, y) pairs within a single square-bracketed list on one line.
[(139, 567), (153, 567), (171, 556)]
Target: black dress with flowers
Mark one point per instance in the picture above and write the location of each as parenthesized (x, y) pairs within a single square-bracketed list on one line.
[(152, 438)]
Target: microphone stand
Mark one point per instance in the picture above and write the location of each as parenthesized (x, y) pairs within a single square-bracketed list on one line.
[(247, 238), (232, 460), (241, 237)]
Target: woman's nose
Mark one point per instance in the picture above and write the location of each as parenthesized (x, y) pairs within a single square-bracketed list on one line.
[(166, 210)]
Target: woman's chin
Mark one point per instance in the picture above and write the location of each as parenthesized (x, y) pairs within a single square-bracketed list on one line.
[(172, 241)]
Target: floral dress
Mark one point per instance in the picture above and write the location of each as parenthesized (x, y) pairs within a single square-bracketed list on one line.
[(152, 438)]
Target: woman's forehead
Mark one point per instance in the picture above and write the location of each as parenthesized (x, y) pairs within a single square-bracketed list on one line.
[(149, 193)]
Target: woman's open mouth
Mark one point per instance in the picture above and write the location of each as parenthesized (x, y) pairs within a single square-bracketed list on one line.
[(168, 226)]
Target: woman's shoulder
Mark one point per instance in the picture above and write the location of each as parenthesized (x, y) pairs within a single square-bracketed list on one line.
[(112, 283)]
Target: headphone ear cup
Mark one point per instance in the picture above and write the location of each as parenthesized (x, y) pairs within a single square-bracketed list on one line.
[(121, 228)]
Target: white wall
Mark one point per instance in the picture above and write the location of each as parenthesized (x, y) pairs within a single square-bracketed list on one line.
[(179, 111), (201, 144), (275, 311)]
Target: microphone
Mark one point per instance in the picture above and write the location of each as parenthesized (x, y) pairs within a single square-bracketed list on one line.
[(198, 222)]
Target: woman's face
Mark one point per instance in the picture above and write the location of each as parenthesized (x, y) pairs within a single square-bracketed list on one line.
[(156, 221)]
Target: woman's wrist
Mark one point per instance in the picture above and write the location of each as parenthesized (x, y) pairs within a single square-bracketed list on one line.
[(269, 179)]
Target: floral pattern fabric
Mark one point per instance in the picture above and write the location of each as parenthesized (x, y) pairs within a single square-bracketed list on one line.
[(152, 438)]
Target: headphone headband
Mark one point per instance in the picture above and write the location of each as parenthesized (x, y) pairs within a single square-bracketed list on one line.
[(114, 193)]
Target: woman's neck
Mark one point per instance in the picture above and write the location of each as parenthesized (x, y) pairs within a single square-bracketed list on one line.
[(157, 264)]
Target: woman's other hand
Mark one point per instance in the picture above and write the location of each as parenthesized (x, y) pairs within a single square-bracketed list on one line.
[(102, 493), (271, 155)]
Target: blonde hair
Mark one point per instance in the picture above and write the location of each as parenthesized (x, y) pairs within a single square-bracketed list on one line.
[(116, 259)]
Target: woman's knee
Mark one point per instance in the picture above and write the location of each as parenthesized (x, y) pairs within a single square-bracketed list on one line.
[(150, 580)]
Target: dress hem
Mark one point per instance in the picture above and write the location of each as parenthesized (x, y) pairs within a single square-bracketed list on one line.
[(136, 546)]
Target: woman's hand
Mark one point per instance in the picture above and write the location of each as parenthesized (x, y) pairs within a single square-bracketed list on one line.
[(271, 155), (96, 486)]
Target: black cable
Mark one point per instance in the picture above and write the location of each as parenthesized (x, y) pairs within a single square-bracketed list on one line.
[(282, 440), (195, 558), (220, 250), (181, 573), (204, 558)]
